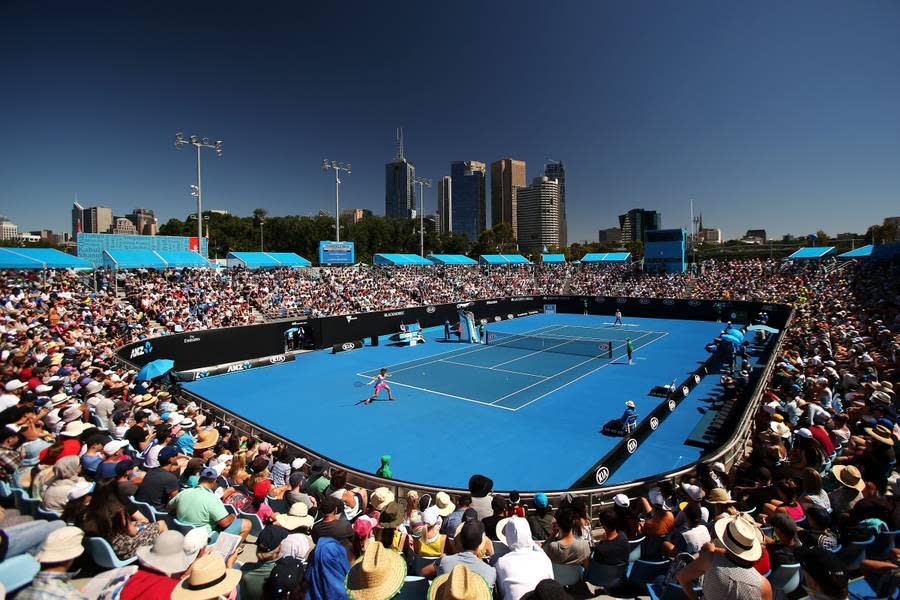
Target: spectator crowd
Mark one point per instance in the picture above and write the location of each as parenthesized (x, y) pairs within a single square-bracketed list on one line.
[(130, 484)]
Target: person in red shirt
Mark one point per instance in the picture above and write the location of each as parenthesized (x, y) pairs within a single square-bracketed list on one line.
[(160, 568), (820, 434)]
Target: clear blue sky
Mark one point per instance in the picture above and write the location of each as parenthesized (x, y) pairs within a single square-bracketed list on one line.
[(781, 115)]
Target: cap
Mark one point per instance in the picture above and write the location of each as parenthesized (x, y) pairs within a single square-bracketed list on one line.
[(540, 500), (621, 500), (208, 473), (114, 446)]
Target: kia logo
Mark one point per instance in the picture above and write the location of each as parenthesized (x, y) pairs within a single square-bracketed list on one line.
[(654, 423), (671, 405), (602, 475), (276, 359), (430, 309), (685, 391), (644, 300), (668, 302), (347, 346), (631, 445)]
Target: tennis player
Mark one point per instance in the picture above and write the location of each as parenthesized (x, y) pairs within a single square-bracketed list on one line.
[(629, 347), (618, 320), (380, 382)]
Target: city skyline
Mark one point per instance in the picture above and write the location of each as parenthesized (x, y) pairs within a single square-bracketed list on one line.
[(772, 116)]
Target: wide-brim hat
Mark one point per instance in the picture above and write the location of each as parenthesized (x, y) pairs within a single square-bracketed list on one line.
[(499, 529), (443, 504), (880, 433), (209, 579), (378, 574), (781, 429), (61, 545), (206, 439), (459, 584), (297, 516), (145, 400), (718, 496), (848, 476), (739, 536), (75, 428), (381, 497), (167, 554), (392, 516)]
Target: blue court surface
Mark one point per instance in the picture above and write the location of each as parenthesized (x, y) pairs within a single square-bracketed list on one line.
[(525, 410)]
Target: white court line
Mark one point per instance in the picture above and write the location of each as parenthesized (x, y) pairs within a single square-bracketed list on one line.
[(492, 368), (561, 372), (605, 328), (428, 362), (421, 389), (585, 375)]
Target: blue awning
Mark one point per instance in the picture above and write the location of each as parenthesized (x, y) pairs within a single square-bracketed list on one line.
[(133, 259), (182, 258), (861, 252), (553, 258), (265, 260), (812, 253), (503, 259), (451, 259), (39, 258), (290, 259), (401, 260), (603, 257)]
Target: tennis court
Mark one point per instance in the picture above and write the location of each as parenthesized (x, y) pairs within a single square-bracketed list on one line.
[(527, 413), (519, 368)]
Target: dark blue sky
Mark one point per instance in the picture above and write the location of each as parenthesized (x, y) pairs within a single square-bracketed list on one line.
[(782, 115)]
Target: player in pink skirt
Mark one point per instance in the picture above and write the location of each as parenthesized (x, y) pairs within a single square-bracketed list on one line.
[(380, 382)]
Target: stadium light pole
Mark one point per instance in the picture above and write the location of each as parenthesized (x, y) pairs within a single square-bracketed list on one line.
[(198, 143), (261, 222), (337, 167), (423, 183)]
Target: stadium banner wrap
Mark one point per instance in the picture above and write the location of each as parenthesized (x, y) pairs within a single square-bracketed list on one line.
[(354, 345), (244, 365)]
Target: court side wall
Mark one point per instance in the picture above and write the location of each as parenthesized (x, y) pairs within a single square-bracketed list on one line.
[(232, 346)]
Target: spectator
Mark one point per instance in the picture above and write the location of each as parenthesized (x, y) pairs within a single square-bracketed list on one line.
[(65, 476), (565, 549), (160, 485), (823, 575), (107, 516), (160, 568), (460, 583), (378, 573), (463, 503), (612, 549), (209, 579), (328, 567), (498, 505), (541, 520), (470, 541), (286, 581), (522, 568), (784, 543), (200, 507), (254, 574), (845, 497), (332, 525), (56, 556), (480, 488)]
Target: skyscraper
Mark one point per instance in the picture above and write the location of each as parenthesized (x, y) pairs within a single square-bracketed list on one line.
[(445, 204), (96, 219), (468, 197), (539, 214), (637, 222), (399, 190), (507, 175), (144, 221), (555, 170)]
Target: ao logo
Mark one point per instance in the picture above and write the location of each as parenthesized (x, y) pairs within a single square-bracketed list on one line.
[(631, 445), (602, 475), (644, 300), (430, 309), (671, 405), (622, 300), (347, 346), (654, 423)]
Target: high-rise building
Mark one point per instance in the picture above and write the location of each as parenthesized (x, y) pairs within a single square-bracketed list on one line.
[(399, 189), (556, 170), (96, 219), (539, 214), (468, 197), (445, 204), (611, 234), (8, 229), (507, 175), (637, 222), (123, 226), (144, 221)]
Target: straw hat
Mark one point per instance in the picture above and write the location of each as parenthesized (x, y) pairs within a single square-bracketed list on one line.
[(781, 429), (719, 496), (849, 476), (298, 516), (880, 433), (145, 400), (381, 497), (206, 439), (443, 504), (739, 536), (209, 579), (459, 584), (378, 574)]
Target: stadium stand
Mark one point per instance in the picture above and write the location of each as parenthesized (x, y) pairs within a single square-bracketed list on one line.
[(84, 447)]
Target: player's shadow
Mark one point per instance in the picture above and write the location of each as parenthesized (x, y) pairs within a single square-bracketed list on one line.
[(363, 401)]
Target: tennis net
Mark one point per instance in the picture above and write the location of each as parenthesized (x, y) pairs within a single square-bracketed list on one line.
[(559, 345)]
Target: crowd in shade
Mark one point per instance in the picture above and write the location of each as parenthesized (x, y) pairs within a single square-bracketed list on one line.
[(134, 486)]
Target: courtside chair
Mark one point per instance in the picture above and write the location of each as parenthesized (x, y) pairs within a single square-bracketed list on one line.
[(18, 571), (104, 555), (567, 575), (414, 588), (785, 579)]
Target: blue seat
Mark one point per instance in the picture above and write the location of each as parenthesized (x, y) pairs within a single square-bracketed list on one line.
[(606, 576), (256, 524), (181, 526), (567, 575), (421, 562), (47, 515), (278, 505), (643, 572), (853, 553), (104, 555), (30, 506), (18, 571), (634, 548), (414, 588), (668, 591), (864, 588), (881, 548), (148, 510), (785, 579)]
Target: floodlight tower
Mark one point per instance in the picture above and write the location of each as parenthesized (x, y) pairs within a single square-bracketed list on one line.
[(423, 183), (199, 143), (337, 167)]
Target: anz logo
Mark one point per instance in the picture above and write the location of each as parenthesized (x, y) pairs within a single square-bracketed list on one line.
[(144, 350), (201, 374), (602, 475), (239, 367), (350, 318)]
